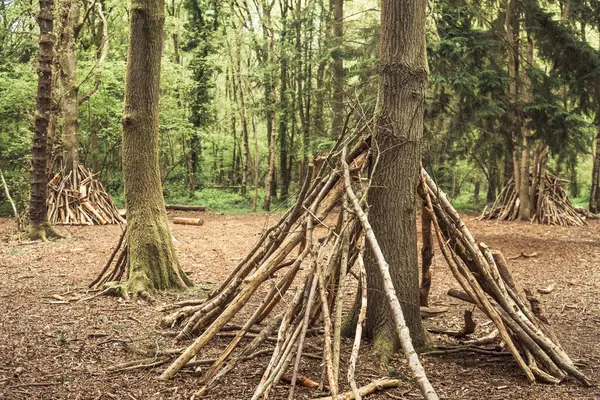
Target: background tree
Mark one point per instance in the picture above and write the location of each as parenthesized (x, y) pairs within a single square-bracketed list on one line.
[(38, 212)]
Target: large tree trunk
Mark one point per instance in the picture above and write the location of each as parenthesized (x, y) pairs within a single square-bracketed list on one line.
[(152, 259), (69, 17), (337, 69), (393, 198), (38, 212), (595, 189)]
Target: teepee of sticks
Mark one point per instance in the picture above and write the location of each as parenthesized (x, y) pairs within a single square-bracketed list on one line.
[(486, 280), (78, 198), (292, 284), (549, 201), (552, 206)]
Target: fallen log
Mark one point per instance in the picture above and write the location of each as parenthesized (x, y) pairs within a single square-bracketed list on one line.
[(182, 207), (188, 221)]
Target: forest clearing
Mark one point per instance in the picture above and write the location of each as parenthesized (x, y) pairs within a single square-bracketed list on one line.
[(271, 199), (70, 346)]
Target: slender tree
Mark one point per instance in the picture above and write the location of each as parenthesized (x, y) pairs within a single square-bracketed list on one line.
[(152, 260), (526, 97), (396, 162), (70, 27), (284, 108), (241, 106), (67, 62), (38, 212), (268, 56), (337, 69), (594, 204)]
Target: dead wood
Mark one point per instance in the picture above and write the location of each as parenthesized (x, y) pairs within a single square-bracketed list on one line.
[(188, 221), (79, 198), (550, 203), (11, 201), (523, 255), (486, 281), (373, 387), (306, 296), (547, 290), (181, 207)]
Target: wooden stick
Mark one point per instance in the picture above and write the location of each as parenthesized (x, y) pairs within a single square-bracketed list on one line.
[(359, 325), (426, 257), (401, 329), (327, 321), (373, 387), (10, 200)]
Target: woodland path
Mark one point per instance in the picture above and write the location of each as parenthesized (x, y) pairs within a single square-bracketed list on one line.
[(50, 350)]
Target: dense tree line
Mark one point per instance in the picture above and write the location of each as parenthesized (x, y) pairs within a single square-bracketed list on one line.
[(251, 91)]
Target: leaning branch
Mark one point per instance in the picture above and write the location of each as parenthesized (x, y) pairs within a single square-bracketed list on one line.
[(401, 329)]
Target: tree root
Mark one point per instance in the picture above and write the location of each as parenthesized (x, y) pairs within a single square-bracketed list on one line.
[(44, 232)]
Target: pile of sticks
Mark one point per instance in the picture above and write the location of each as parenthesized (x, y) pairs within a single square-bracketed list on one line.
[(550, 204), (555, 208), (78, 198), (292, 285), (487, 282)]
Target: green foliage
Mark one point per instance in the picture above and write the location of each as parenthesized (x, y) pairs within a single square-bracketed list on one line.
[(469, 122), (221, 200)]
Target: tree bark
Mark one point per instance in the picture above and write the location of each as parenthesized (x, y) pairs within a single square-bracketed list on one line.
[(152, 260), (38, 212), (512, 42), (524, 195), (69, 18), (284, 110), (397, 153), (337, 67), (595, 189), (237, 79), (268, 84)]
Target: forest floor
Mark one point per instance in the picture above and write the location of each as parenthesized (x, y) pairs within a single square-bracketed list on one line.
[(52, 350)]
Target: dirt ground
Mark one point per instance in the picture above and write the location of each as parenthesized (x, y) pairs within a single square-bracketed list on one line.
[(52, 350)]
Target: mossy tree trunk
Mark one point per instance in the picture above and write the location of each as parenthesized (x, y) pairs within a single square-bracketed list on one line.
[(38, 212), (153, 263), (397, 155)]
